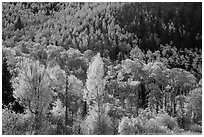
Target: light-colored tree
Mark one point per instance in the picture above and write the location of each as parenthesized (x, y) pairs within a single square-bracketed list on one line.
[(95, 97), (95, 83), (136, 53), (194, 105), (69, 89), (181, 83), (66, 63), (33, 88), (157, 80)]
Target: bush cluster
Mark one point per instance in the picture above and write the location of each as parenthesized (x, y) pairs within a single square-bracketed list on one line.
[(16, 124), (134, 126), (148, 124), (196, 128), (166, 121), (184, 122), (93, 125)]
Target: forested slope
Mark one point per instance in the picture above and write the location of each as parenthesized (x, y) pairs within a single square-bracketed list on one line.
[(120, 63)]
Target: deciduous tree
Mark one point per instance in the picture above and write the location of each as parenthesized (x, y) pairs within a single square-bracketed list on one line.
[(33, 88)]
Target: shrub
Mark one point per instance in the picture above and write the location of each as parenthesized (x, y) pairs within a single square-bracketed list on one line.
[(9, 121), (58, 125), (146, 114), (47, 128), (154, 127), (23, 124), (194, 105), (177, 130), (126, 127), (134, 126), (139, 126), (131, 126), (16, 124), (166, 121), (184, 122), (93, 126), (76, 130), (196, 128)]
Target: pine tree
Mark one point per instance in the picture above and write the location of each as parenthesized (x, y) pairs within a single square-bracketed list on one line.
[(18, 24), (7, 90)]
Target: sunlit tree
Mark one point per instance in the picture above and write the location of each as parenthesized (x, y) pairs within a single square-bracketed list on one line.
[(194, 105), (33, 88), (95, 96)]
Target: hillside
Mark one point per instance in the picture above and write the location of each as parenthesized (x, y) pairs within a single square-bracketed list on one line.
[(66, 64)]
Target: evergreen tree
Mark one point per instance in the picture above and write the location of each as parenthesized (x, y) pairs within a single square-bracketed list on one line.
[(18, 24), (7, 90)]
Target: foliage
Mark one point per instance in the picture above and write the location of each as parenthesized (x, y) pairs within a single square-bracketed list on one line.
[(194, 105), (196, 128), (58, 109), (184, 122), (134, 67), (70, 99), (153, 127), (32, 87), (134, 126), (93, 125), (95, 82), (97, 121), (7, 90), (146, 114), (166, 121), (16, 124), (113, 27), (131, 126)]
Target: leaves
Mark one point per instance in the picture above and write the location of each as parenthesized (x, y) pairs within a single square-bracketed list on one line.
[(95, 80), (194, 104), (32, 86), (82, 56)]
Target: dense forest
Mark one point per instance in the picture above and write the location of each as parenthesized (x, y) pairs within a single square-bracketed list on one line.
[(101, 68)]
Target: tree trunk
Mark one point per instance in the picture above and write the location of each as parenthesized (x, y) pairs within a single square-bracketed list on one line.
[(171, 107), (72, 118), (165, 101), (37, 123), (174, 108), (66, 102), (182, 107), (157, 107), (115, 131), (99, 115)]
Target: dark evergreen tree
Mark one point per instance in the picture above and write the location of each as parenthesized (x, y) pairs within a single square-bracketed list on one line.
[(7, 90), (18, 24)]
